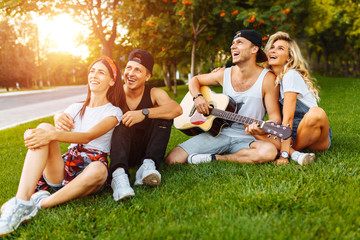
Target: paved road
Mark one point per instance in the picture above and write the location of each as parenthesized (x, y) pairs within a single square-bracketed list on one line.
[(21, 107)]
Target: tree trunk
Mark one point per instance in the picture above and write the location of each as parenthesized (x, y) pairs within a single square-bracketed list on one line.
[(309, 53), (107, 48), (175, 82), (341, 65), (212, 62), (326, 61), (353, 66), (167, 77), (346, 68), (318, 57), (357, 64), (193, 54)]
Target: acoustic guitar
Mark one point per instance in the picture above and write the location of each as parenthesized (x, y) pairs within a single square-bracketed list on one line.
[(191, 122)]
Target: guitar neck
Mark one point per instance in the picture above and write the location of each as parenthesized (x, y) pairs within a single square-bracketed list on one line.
[(235, 117)]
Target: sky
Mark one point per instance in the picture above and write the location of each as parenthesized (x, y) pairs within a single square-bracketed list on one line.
[(61, 32)]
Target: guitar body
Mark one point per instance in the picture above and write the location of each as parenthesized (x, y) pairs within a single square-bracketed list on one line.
[(223, 107), (193, 123)]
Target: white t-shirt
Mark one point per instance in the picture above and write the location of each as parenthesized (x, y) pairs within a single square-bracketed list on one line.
[(251, 102), (93, 116), (293, 82)]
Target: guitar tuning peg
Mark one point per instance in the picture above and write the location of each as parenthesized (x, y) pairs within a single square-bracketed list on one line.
[(269, 136), (276, 122), (275, 137), (281, 140), (288, 125)]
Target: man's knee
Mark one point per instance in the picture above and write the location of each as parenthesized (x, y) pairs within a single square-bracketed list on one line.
[(177, 155), (164, 123), (266, 152), (162, 128)]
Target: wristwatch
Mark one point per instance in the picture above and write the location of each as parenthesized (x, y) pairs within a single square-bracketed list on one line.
[(284, 154), (145, 111)]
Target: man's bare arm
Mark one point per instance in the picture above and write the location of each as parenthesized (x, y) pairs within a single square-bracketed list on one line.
[(165, 108), (209, 79)]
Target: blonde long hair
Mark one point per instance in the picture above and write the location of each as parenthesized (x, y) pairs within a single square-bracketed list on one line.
[(296, 62)]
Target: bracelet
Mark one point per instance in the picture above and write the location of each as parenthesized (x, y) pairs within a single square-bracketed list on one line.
[(198, 95)]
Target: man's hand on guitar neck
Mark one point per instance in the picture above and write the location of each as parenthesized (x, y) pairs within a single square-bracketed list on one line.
[(202, 106), (254, 129)]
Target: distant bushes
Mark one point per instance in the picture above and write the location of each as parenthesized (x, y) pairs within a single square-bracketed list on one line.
[(159, 82)]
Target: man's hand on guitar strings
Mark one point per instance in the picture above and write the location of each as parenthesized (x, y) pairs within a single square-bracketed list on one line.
[(202, 106)]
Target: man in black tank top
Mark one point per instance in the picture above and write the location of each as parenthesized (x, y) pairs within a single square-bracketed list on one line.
[(144, 132)]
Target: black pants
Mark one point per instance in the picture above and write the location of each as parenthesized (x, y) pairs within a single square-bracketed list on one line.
[(130, 146)]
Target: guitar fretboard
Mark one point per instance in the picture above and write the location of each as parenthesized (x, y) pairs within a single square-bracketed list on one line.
[(234, 117)]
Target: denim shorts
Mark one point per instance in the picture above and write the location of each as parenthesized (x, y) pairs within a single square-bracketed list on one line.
[(57, 187), (221, 144), (300, 110)]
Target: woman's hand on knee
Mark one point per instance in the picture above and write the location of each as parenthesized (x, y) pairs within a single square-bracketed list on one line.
[(36, 138)]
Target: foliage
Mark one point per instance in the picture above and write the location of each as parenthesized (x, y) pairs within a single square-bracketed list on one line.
[(158, 82), (217, 200), (332, 32), (195, 35), (17, 56), (64, 69)]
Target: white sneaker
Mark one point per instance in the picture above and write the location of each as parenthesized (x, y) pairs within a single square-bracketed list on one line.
[(38, 197), (196, 158), (121, 185), (303, 158), (147, 174), (14, 212)]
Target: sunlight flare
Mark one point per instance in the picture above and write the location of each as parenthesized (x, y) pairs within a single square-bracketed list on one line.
[(60, 33)]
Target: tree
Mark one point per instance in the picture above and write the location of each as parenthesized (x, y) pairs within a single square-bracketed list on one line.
[(153, 26), (65, 69), (332, 29), (197, 16), (17, 56)]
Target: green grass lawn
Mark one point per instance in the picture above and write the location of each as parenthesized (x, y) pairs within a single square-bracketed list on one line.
[(217, 200)]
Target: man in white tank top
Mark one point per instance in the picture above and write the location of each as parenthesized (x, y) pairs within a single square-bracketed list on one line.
[(251, 86)]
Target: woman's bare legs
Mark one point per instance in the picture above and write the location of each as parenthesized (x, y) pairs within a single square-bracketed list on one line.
[(46, 158), (313, 131), (88, 182)]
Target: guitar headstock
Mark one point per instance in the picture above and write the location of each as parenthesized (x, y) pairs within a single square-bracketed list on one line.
[(277, 130)]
